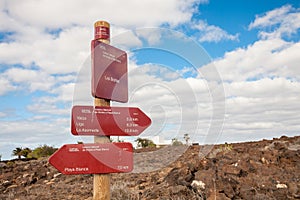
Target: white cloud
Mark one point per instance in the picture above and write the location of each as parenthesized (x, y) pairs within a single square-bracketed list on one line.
[(32, 133), (211, 33), (41, 107), (33, 79), (63, 54), (39, 34), (175, 104), (283, 21), (278, 112), (57, 103), (153, 36), (2, 114), (31, 23), (271, 17), (264, 58), (132, 13), (65, 92), (125, 39), (6, 85), (266, 87)]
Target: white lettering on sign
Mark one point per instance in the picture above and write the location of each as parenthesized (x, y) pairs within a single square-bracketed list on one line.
[(112, 79), (132, 119), (67, 169), (131, 130), (80, 124), (80, 169), (76, 169), (131, 125), (87, 130), (94, 148), (106, 111), (86, 111), (73, 149), (121, 167), (81, 118), (110, 57)]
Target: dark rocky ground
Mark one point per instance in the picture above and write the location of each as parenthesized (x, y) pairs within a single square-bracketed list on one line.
[(268, 169)]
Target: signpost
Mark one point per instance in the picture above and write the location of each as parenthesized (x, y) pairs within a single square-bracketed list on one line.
[(93, 158), (111, 121), (109, 82), (101, 185)]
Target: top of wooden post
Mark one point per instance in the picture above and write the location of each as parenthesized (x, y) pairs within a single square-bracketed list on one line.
[(102, 31)]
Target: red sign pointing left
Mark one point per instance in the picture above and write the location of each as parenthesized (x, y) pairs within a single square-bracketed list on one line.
[(93, 158)]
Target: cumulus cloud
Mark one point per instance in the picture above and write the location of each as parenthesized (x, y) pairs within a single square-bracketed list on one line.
[(62, 54), (36, 32), (6, 85), (46, 14), (283, 21), (264, 58), (27, 78), (125, 39), (212, 33)]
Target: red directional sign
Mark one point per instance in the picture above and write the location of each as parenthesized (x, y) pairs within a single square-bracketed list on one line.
[(109, 72), (93, 158), (109, 121)]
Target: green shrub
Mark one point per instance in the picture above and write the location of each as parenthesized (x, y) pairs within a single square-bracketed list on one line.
[(142, 142), (10, 164), (42, 151), (17, 152), (226, 147), (176, 142)]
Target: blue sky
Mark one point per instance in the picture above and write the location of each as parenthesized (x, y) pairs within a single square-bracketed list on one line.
[(234, 16), (226, 71)]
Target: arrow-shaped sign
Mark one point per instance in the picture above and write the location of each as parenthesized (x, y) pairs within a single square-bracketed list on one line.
[(109, 121), (93, 158)]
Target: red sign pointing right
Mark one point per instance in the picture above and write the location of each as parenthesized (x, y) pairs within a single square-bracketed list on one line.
[(110, 121)]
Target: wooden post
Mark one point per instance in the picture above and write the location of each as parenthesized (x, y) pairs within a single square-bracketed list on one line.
[(101, 188)]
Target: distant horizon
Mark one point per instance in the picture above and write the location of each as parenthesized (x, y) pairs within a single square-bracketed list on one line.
[(167, 144)]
